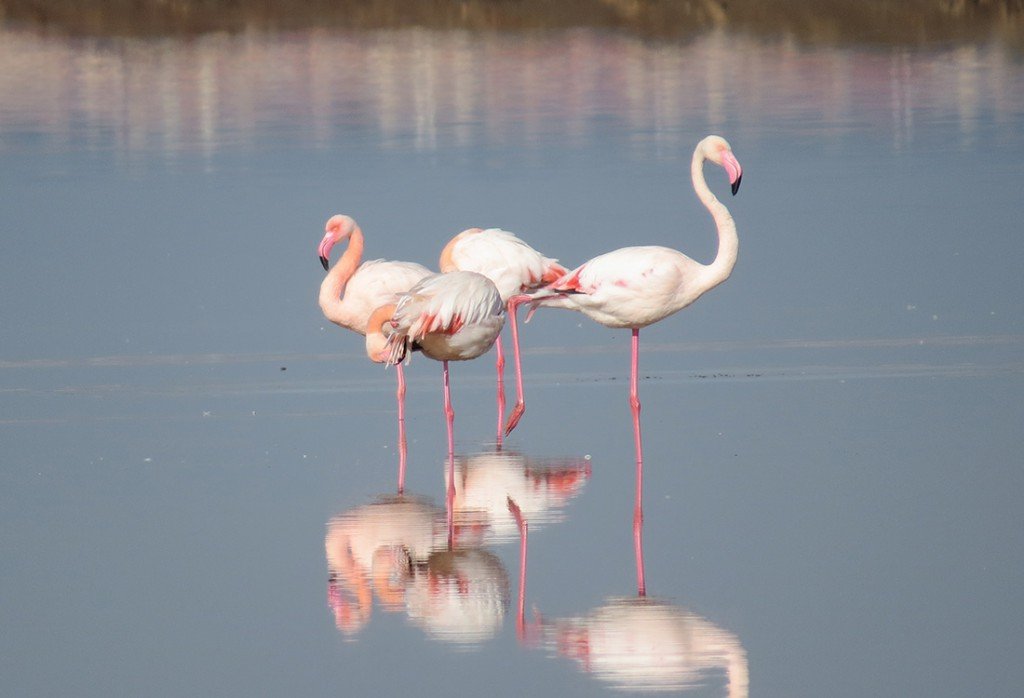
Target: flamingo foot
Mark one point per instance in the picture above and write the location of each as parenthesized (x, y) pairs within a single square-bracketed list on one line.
[(513, 419)]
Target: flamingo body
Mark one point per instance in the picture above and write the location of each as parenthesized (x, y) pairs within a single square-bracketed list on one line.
[(450, 317), (515, 268), (375, 283), (502, 257), (637, 286), (632, 286)]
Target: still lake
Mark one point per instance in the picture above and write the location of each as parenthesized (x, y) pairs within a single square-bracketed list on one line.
[(195, 464)]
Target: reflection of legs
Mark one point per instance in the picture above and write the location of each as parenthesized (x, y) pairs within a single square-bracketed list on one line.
[(449, 413), (520, 408), (638, 511), (402, 448), (501, 387), (517, 514), (449, 501)]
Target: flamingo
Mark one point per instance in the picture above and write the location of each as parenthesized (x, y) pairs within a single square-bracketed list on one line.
[(449, 317), (515, 268), (351, 291), (634, 287)]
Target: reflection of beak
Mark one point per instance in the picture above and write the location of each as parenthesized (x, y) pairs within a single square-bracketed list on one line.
[(733, 169)]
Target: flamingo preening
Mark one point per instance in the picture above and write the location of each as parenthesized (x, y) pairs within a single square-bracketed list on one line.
[(515, 268), (449, 317), (352, 290), (634, 287)]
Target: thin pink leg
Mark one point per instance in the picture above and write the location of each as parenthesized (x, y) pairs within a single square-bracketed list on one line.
[(520, 408), (638, 510), (517, 514), (402, 447), (449, 413), (500, 364)]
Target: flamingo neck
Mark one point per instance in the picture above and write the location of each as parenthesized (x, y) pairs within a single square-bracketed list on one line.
[(376, 342), (332, 290), (728, 241)]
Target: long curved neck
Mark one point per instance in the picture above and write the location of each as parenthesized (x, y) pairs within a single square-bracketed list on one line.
[(728, 242), (376, 342), (332, 290)]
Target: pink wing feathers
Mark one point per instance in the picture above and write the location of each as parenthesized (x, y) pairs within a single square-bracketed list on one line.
[(443, 304)]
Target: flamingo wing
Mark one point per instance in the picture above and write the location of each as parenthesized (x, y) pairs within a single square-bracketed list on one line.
[(508, 261), (444, 303)]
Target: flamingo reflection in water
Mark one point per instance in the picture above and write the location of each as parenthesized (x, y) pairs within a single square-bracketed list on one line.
[(646, 644), (639, 643), (515, 268), (396, 550), (541, 487), (352, 290), (372, 549)]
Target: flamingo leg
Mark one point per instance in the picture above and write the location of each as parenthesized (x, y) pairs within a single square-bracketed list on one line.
[(517, 514), (500, 365), (520, 408), (638, 511), (402, 447), (449, 413)]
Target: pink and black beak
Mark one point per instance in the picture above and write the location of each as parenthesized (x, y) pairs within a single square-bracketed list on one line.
[(733, 169), (325, 251)]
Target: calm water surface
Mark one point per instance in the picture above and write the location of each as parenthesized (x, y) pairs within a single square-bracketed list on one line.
[(198, 482)]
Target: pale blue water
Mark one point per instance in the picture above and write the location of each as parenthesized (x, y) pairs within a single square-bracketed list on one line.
[(832, 437)]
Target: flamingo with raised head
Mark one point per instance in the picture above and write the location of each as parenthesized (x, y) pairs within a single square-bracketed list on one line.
[(449, 317), (515, 268), (352, 290), (634, 287)]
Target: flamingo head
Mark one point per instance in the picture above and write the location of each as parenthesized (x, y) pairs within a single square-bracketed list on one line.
[(381, 346), (338, 228), (717, 150)]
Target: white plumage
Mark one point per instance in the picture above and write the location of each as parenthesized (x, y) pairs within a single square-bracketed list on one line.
[(502, 257), (634, 286), (450, 317)]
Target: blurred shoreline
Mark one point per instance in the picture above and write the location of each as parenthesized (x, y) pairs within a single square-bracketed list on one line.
[(825, 22)]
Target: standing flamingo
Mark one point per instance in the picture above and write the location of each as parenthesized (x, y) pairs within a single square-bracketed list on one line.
[(514, 267), (637, 286), (449, 317), (351, 291)]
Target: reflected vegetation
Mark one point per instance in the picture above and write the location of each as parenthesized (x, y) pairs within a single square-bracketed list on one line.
[(823, 21), (429, 90)]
